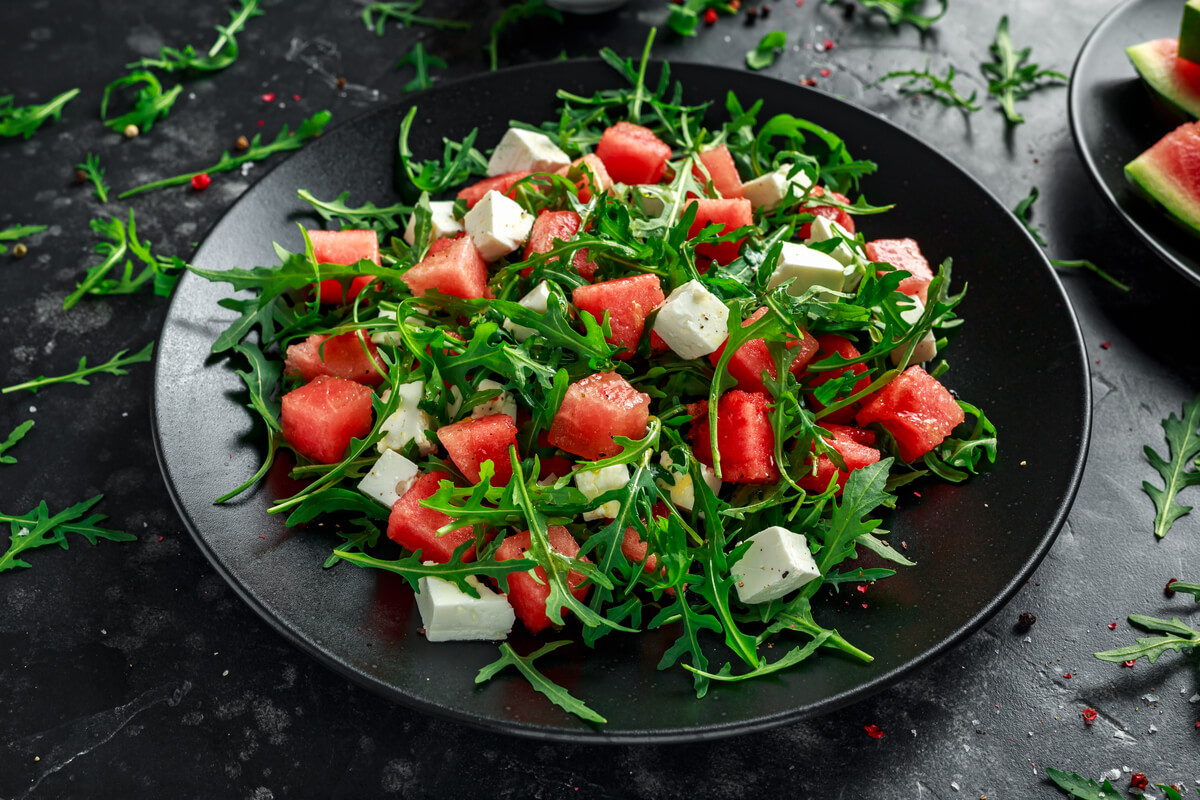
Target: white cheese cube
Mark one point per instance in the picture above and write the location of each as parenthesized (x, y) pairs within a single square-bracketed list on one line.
[(823, 230), (408, 423), (504, 404), (595, 482), (809, 268), (535, 301), (448, 614), (693, 321), (389, 479), (683, 492), (777, 562), (497, 225), (442, 222), (768, 191), (926, 348), (526, 151)]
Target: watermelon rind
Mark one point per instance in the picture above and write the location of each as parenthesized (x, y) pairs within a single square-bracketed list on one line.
[(1189, 32), (1151, 176), (1156, 65)]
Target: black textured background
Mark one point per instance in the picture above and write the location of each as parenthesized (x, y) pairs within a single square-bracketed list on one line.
[(131, 670)]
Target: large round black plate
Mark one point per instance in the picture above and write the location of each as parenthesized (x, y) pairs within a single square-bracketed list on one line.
[(1114, 118), (1020, 356)]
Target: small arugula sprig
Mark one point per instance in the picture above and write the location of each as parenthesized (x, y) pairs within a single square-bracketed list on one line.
[(368, 215), (1023, 211), (114, 366), (524, 664), (121, 241), (17, 232), (1087, 789), (901, 11), (150, 102), (257, 151), (93, 172), (1179, 637), (940, 88), (39, 529), (767, 50), (376, 15), (522, 10), (222, 53), (25, 120), (684, 17), (17, 435), (1178, 470), (1010, 78), (420, 61)]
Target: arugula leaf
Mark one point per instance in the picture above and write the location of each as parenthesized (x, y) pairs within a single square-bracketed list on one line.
[(1083, 263), (25, 120), (901, 11), (16, 232), (1024, 210), (39, 529), (925, 83), (150, 102), (863, 493), (797, 616), (518, 11), (790, 659), (376, 15), (1180, 637), (14, 437), (460, 160), (123, 241), (1183, 447), (1187, 588), (455, 571), (553, 692), (1083, 788), (284, 140), (767, 50), (1010, 78), (955, 459), (91, 168), (114, 366), (222, 53), (381, 219), (420, 61)]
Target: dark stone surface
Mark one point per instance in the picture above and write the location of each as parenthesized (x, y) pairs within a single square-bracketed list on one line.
[(132, 670)]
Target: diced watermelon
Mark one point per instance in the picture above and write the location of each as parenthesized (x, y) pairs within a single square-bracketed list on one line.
[(730, 215), (551, 225), (456, 269), (415, 527), (529, 591), (633, 154), (474, 441), (594, 410), (829, 212), (747, 364), (589, 173), (827, 345), (349, 355), (444, 243), (501, 183), (744, 437), (721, 170), (904, 254), (916, 409), (853, 445), (635, 548), (321, 417), (343, 247), (628, 301)]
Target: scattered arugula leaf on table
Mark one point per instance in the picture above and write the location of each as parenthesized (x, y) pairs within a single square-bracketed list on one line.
[(1177, 470), (14, 437), (92, 170), (1083, 788), (150, 102), (17, 232), (1095, 269), (521, 10), (114, 366), (1179, 637), (420, 61), (25, 120), (767, 50), (1010, 78), (39, 529), (1024, 213), (222, 53), (925, 83), (524, 664), (901, 11), (376, 15), (161, 271)]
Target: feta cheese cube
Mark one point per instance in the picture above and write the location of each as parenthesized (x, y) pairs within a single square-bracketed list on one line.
[(535, 301), (504, 404), (595, 482), (526, 151), (442, 222), (823, 230), (926, 348), (497, 225), (683, 492), (408, 423), (768, 191), (391, 477), (692, 321), (777, 562), (448, 614), (809, 268)]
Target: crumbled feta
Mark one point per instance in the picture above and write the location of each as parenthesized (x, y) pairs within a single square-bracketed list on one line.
[(504, 404), (808, 268), (692, 321), (595, 482), (497, 225), (926, 348), (683, 492), (389, 479), (408, 423), (535, 301), (768, 191), (777, 562), (822, 230), (448, 614), (526, 151), (441, 222)]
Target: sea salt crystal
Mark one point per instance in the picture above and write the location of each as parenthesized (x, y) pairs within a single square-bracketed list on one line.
[(1153, 729), (1027, 640), (1194, 698), (1112, 775), (1150, 698), (954, 785)]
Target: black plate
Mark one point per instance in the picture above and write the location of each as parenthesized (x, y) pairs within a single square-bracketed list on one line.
[(1020, 356), (1115, 118)]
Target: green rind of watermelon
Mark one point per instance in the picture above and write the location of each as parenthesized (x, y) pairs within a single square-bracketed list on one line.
[(1189, 32), (1169, 174), (1174, 81)]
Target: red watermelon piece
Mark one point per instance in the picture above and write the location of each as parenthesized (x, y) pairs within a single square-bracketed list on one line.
[(455, 268), (589, 173), (904, 254), (744, 437), (474, 441), (561, 225), (529, 591), (722, 171), (853, 445), (628, 301), (343, 247), (415, 527), (633, 154), (747, 364), (916, 409), (635, 548), (348, 355), (594, 410), (1174, 80), (501, 183), (321, 417), (828, 345), (832, 213), (730, 215), (1169, 174)]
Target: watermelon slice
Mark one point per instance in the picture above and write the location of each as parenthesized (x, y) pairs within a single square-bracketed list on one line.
[(321, 417), (1169, 173), (1189, 32), (343, 247), (415, 527), (633, 154), (722, 170), (1175, 81), (529, 591), (596, 409)]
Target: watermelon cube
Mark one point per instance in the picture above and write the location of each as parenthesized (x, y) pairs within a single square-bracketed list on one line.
[(730, 215), (589, 175), (827, 345), (501, 183), (904, 254), (635, 548), (916, 409), (744, 437), (321, 417), (343, 247), (474, 441), (349, 355), (414, 527), (561, 225), (853, 445), (833, 213), (529, 591), (628, 302), (747, 365), (721, 170), (633, 154), (455, 269), (594, 410)]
